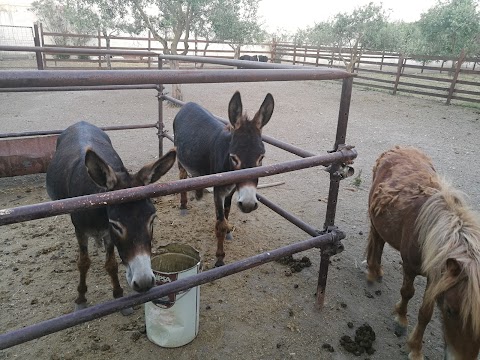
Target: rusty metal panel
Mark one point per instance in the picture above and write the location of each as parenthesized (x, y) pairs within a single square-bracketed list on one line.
[(26, 156)]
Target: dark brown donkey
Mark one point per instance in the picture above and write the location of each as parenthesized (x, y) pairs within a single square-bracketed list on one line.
[(206, 146), (86, 163)]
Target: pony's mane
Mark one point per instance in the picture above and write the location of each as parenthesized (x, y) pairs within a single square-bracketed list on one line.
[(448, 229)]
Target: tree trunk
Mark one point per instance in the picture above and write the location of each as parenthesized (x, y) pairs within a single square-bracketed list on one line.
[(176, 88)]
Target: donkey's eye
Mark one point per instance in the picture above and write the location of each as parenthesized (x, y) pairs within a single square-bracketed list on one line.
[(235, 160), (260, 159), (116, 227), (151, 224)]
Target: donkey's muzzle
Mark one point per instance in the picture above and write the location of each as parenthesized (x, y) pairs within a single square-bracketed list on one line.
[(139, 273), (247, 198)]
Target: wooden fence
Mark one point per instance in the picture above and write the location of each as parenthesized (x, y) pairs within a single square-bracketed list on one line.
[(447, 78), (417, 74)]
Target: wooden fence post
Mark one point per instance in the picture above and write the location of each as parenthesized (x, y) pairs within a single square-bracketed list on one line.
[(399, 73), (273, 51), (99, 46), (460, 61), (318, 55), (383, 57), (305, 55), (441, 67)]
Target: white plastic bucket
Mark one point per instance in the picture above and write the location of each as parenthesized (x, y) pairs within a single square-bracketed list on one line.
[(172, 321)]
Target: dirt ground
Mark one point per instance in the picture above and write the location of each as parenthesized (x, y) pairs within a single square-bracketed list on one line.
[(261, 313)]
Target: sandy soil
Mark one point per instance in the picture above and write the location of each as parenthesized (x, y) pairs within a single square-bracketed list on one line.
[(260, 313)]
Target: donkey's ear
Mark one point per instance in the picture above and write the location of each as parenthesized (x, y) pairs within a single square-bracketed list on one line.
[(99, 171), (264, 114), (454, 268), (235, 108), (152, 172)]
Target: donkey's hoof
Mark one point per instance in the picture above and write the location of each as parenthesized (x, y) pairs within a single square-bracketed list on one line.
[(183, 212), (80, 306), (219, 263), (229, 236), (400, 330), (127, 311)]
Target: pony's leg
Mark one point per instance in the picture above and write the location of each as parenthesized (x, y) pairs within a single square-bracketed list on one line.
[(83, 265), (374, 255), (221, 226), (407, 291), (183, 195), (112, 269), (415, 339), (227, 206)]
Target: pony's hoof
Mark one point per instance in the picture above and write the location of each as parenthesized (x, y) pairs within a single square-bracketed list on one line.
[(127, 311), (183, 212), (400, 330), (229, 236), (219, 263), (80, 306)]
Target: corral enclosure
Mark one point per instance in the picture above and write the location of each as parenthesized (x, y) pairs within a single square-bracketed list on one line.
[(261, 313)]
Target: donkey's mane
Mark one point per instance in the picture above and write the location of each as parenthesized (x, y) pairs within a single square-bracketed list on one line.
[(448, 229)]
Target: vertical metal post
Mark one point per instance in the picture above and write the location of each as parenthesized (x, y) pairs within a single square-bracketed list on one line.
[(322, 279), (149, 49), (36, 41), (294, 50), (42, 42), (99, 46), (160, 125), (333, 190)]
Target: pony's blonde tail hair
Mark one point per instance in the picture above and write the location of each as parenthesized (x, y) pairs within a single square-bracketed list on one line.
[(448, 229)]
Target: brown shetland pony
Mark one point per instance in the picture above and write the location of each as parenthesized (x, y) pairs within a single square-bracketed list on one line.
[(438, 237)]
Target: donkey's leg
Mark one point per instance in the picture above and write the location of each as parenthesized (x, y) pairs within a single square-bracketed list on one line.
[(407, 291), (227, 206), (221, 226), (111, 266), (416, 337), (183, 195), (83, 265), (374, 255)]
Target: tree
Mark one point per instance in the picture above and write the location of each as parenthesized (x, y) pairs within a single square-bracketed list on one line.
[(357, 30), (107, 16), (451, 26), (63, 16), (235, 21)]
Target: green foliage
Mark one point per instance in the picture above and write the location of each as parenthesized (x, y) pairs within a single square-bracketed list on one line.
[(63, 16), (321, 34), (449, 27), (360, 26), (236, 21)]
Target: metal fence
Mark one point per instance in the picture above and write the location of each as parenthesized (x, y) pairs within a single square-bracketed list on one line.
[(338, 160)]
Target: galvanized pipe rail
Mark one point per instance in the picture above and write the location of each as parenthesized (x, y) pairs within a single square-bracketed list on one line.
[(57, 132), (65, 321), (80, 88), (58, 207), (46, 78)]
